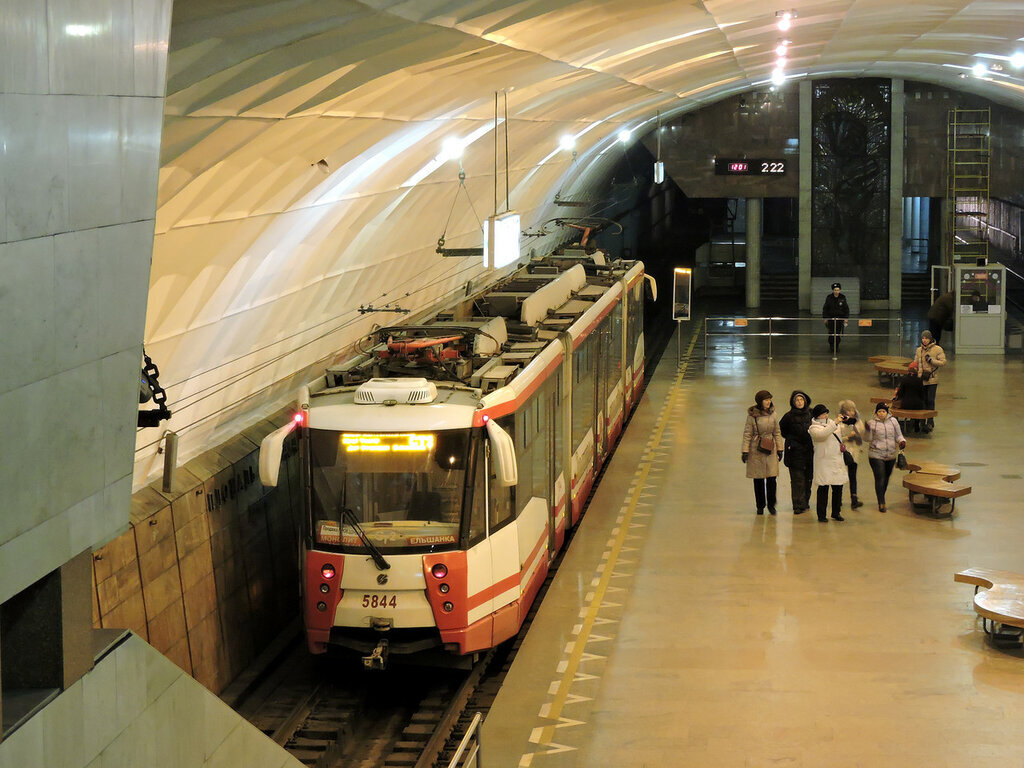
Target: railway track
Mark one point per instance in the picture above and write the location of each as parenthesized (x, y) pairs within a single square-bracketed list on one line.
[(329, 712)]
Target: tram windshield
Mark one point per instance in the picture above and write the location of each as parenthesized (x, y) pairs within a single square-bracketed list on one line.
[(404, 488)]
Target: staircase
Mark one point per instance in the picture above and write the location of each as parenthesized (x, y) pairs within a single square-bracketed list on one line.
[(914, 287), (780, 288)]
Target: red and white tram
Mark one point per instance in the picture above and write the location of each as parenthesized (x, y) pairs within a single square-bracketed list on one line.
[(442, 467)]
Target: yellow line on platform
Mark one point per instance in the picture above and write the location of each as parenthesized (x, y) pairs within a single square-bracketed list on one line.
[(566, 681)]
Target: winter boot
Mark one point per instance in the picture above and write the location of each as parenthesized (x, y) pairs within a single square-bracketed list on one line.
[(855, 502)]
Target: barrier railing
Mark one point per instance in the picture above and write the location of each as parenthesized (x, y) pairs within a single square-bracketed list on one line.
[(772, 332), (473, 757)]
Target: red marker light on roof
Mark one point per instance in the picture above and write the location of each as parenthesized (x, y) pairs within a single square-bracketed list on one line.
[(300, 419), (485, 418)]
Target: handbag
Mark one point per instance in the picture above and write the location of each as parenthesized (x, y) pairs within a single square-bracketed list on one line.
[(847, 457), (901, 461), (764, 444)]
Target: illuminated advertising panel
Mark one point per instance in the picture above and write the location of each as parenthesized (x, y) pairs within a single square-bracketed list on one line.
[(501, 240)]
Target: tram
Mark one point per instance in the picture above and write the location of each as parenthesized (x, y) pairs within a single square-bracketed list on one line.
[(442, 466)]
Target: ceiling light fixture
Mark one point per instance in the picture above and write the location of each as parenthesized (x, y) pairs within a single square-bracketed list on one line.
[(780, 49), (624, 135), (659, 166), (979, 70), (778, 76), (1017, 60), (567, 142), (785, 19), (452, 148)]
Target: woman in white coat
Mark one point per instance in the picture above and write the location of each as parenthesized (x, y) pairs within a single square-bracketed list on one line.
[(829, 468)]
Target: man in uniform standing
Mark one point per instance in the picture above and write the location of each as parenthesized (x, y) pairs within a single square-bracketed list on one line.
[(836, 311)]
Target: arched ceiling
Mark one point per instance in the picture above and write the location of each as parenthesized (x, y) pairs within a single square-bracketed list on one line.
[(300, 173)]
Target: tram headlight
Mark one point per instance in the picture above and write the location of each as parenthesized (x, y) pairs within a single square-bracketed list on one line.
[(444, 588), (440, 570), (447, 607), (327, 571), (325, 588)]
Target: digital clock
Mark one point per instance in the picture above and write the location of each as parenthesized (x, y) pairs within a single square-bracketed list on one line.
[(728, 166)]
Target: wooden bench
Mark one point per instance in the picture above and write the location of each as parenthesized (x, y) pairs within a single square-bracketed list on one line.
[(937, 483), (999, 600), (903, 413), (890, 367)]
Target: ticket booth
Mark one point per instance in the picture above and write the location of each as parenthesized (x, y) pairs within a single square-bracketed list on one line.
[(980, 309)]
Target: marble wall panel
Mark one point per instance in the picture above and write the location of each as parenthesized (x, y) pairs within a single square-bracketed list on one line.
[(141, 120), (152, 24), (91, 46), (94, 154), (120, 377), (36, 164), (23, 64), (27, 303), (73, 424), (125, 255)]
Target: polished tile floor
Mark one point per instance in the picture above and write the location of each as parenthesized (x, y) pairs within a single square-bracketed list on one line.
[(683, 630)]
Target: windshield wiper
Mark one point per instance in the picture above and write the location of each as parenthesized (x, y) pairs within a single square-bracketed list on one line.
[(378, 558)]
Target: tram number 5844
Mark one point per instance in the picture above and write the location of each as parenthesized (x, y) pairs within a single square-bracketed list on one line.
[(380, 601)]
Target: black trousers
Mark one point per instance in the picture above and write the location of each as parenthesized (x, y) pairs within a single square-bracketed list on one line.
[(881, 469), (851, 472), (835, 333), (929, 396), (800, 484), (765, 487), (837, 500)]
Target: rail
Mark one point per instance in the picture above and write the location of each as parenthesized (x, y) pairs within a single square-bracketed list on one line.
[(474, 757), (771, 333)]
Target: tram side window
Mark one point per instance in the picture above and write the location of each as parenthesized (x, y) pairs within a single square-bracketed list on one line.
[(557, 421), (478, 511), (583, 391), (541, 448), (615, 347), (502, 498), (526, 425)]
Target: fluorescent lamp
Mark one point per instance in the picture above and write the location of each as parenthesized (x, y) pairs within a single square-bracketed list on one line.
[(659, 172), (979, 70), (501, 240), (778, 76), (1017, 60), (451, 148), (567, 142), (624, 135)]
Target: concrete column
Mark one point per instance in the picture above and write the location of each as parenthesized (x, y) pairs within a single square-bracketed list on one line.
[(896, 198), (804, 200), (753, 251)]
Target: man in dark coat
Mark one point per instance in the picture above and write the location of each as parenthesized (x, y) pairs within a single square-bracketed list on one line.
[(799, 449), (835, 311), (940, 315)]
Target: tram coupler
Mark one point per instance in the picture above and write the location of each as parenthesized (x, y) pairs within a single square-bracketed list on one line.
[(378, 658)]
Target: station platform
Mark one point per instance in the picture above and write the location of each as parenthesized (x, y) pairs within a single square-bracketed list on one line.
[(684, 630)]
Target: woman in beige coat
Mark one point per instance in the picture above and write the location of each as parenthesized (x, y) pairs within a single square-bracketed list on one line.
[(762, 462), (929, 358)]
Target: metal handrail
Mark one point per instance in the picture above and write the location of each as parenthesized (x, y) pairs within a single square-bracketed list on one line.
[(771, 334), (475, 754)]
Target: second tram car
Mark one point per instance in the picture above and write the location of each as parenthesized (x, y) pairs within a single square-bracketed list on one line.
[(442, 467)]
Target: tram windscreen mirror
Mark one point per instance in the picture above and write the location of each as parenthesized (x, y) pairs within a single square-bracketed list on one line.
[(681, 290)]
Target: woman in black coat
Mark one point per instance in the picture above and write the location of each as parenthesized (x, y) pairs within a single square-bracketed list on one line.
[(799, 449)]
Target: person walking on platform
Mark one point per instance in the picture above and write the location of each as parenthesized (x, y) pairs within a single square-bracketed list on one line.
[(829, 468), (941, 314), (910, 396), (799, 449), (929, 358), (835, 311), (884, 440), (851, 432), (762, 449)]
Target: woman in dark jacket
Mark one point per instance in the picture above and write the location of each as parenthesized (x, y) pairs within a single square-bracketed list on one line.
[(910, 395), (762, 462), (799, 449)]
